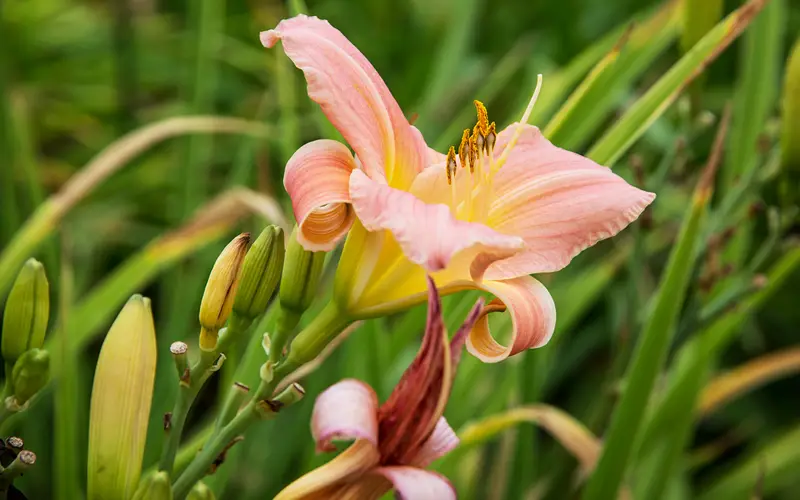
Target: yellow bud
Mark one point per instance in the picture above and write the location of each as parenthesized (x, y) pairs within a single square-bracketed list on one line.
[(31, 373), (120, 407), (26, 313), (201, 492), (261, 273), (301, 273), (220, 290)]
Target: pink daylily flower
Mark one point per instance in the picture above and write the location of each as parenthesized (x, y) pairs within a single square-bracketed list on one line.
[(395, 442), (504, 206)]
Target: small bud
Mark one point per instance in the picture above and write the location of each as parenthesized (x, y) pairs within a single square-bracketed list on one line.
[(27, 311), (154, 486), (122, 392), (201, 492), (31, 373), (266, 343), (261, 273), (301, 273), (220, 291)]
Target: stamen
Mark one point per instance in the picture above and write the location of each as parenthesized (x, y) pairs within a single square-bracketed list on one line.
[(483, 117), (465, 150), (450, 166), (520, 126), (491, 137)]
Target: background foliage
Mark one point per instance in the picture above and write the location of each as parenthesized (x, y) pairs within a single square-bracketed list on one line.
[(673, 312)]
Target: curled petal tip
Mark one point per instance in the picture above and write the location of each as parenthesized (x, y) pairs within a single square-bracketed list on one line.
[(269, 38)]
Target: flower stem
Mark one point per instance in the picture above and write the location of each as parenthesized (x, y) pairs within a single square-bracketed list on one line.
[(200, 371), (199, 466)]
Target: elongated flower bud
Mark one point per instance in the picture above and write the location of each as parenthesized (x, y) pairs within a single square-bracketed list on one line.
[(26, 313), (301, 274), (220, 291), (31, 373), (261, 273), (120, 408), (201, 492), (155, 486)]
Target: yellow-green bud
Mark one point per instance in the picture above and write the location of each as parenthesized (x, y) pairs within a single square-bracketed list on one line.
[(154, 486), (26, 313), (261, 273), (301, 273), (122, 392), (201, 492), (220, 291), (31, 373)]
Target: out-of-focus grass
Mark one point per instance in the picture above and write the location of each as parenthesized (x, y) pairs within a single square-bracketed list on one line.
[(74, 76)]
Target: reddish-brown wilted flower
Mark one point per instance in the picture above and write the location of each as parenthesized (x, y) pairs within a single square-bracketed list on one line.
[(396, 441)]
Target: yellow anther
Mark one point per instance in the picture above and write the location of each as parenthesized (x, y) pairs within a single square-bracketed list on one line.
[(491, 138), (483, 118), (478, 138), (465, 150), (451, 164)]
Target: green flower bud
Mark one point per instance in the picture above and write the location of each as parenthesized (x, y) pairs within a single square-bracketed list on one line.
[(301, 273), (31, 373), (154, 486), (201, 492), (220, 291), (261, 273), (26, 313)]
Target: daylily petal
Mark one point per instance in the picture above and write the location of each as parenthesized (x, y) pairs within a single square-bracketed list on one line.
[(346, 410), (559, 202), (429, 235), (353, 97), (411, 483), (533, 316), (317, 179), (348, 466), (441, 441)]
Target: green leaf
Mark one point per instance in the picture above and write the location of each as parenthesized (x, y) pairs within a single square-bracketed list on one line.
[(770, 469), (651, 350), (698, 17), (624, 133), (600, 92)]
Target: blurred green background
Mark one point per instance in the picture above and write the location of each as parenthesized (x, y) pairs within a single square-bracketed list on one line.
[(76, 76)]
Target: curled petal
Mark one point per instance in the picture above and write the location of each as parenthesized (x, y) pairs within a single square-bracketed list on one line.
[(559, 202), (346, 410), (317, 180), (441, 441), (348, 466), (429, 235), (533, 316), (353, 97), (411, 483)]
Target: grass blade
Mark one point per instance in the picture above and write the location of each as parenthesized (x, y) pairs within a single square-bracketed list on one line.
[(624, 133), (46, 218), (774, 466), (652, 345), (600, 92)]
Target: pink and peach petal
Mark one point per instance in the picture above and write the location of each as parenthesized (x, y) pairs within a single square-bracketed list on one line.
[(559, 202), (429, 235), (346, 410), (411, 483), (351, 94), (348, 466), (317, 178), (442, 440), (533, 316)]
